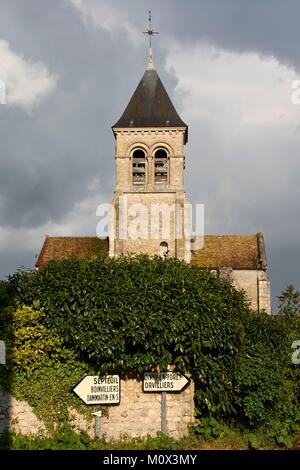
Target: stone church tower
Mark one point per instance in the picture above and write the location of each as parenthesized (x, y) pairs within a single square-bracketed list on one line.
[(149, 194), (150, 212)]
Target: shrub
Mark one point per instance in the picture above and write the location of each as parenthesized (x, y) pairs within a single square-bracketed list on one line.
[(160, 442), (61, 441), (266, 382), (289, 302), (31, 343), (4, 294), (40, 369), (135, 314), (209, 428), (138, 313)]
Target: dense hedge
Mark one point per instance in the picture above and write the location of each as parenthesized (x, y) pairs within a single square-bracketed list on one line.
[(126, 314), (140, 314), (267, 384)]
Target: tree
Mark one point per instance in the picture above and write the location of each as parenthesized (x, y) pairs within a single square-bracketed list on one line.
[(289, 302), (4, 296)]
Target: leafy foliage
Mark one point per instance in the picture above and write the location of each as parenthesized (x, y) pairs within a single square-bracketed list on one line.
[(40, 369), (289, 302), (47, 390), (266, 381), (230, 438), (31, 343), (160, 442), (137, 314), (67, 440), (4, 294), (209, 428)]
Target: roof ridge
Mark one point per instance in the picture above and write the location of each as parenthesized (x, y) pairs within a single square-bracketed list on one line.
[(42, 252), (76, 236), (229, 235), (262, 251)]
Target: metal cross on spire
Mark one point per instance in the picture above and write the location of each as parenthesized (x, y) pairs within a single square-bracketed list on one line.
[(150, 33)]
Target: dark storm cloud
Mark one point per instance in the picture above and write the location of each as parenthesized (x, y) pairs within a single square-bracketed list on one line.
[(266, 26), (51, 155)]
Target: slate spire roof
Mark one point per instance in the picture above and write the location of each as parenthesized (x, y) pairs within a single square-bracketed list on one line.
[(150, 105)]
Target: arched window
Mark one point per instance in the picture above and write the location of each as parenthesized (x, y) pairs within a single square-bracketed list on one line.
[(138, 167), (164, 249), (161, 167)]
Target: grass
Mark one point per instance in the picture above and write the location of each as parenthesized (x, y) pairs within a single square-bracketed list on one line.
[(229, 439)]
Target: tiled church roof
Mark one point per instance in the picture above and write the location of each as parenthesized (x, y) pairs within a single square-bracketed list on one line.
[(60, 248), (235, 251)]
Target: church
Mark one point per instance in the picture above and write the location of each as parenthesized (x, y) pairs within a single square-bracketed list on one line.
[(150, 145)]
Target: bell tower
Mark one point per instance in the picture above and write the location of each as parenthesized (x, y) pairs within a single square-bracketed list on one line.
[(150, 213)]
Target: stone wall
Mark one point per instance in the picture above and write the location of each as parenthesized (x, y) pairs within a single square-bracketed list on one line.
[(138, 414), (149, 139), (257, 286), (264, 289), (150, 194), (155, 224), (247, 280), (18, 416)]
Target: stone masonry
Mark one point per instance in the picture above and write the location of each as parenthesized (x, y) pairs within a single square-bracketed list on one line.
[(18, 416), (172, 194), (138, 415)]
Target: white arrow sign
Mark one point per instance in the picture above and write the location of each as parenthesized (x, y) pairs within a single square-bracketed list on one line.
[(95, 390), (164, 382)]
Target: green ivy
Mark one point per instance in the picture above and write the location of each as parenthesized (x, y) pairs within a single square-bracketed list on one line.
[(40, 369), (31, 343)]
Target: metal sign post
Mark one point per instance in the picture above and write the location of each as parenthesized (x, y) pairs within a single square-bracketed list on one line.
[(163, 383), (164, 423), (97, 415)]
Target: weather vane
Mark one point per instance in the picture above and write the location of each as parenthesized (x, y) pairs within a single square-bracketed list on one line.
[(150, 33)]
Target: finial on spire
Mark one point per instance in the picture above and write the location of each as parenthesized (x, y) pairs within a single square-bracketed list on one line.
[(150, 33)]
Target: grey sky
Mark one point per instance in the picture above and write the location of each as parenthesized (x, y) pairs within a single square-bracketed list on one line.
[(228, 66)]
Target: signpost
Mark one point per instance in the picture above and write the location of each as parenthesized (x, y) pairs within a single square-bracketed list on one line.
[(97, 415), (170, 382), (95, 390), (164, 382)]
